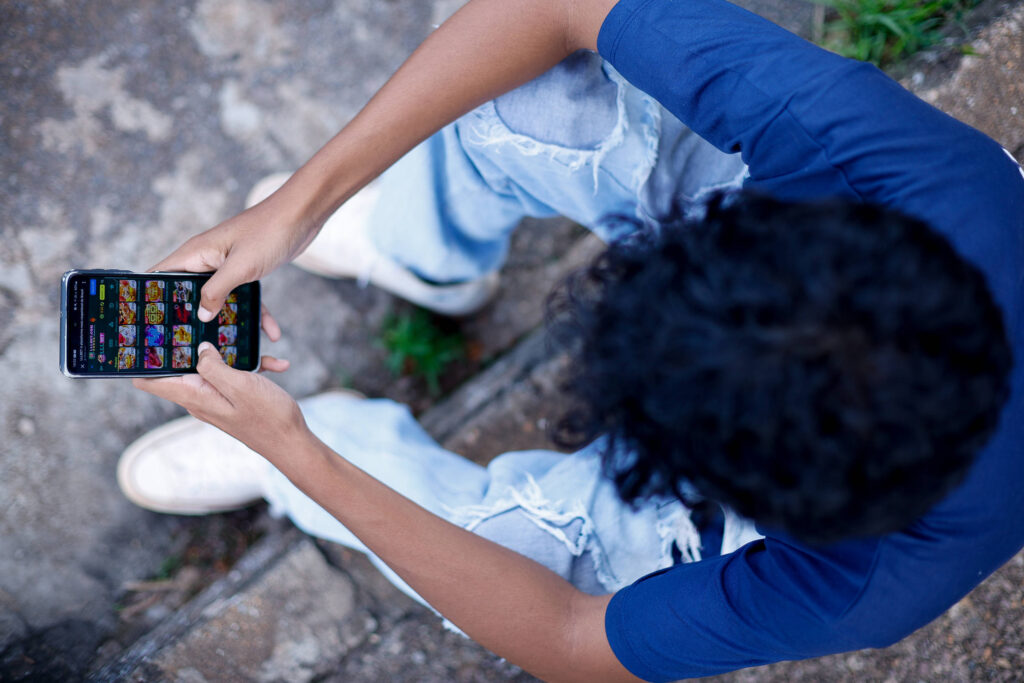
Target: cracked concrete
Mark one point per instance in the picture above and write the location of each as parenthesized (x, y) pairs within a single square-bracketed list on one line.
[(95, 94), (126, 127)]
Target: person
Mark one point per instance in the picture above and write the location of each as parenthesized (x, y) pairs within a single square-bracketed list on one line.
[(800, 420)]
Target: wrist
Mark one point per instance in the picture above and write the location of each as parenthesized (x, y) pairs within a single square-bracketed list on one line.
[(282, 218), (301, 456), (335, 173)]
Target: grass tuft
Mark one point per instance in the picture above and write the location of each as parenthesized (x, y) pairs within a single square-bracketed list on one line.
[(417, 346), (885, 31)]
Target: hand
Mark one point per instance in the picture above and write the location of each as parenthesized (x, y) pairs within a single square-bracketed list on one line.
[(243, 249), (246, 405)]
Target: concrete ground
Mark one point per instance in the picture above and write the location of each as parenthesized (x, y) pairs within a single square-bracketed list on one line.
[(126, 127)]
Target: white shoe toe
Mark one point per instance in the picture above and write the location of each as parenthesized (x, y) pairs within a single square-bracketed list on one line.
[(190, 468)]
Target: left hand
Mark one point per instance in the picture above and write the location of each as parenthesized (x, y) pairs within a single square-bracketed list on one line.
[(246, 405)]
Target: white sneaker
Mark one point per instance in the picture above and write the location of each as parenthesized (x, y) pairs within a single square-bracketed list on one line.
[(188, 467), (344, 250)]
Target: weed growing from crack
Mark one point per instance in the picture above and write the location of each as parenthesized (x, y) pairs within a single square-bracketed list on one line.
[(417, 346), (169, 567)]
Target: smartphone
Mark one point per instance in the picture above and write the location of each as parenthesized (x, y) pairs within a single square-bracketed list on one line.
[(116, 323)]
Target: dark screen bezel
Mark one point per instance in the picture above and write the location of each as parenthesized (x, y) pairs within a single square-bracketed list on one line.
[(71, 337)]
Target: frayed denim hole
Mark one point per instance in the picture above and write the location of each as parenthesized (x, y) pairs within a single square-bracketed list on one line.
[(572, 106)]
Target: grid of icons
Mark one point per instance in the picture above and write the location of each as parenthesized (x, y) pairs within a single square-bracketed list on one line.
[(157, 327)]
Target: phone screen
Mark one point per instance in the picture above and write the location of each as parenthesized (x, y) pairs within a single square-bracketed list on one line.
[(147, 324)]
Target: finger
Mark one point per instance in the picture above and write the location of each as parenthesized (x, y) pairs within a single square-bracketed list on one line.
[(214, 370), (192, 258), (187, 390), (217, 288), (269, 325), (271, 364)]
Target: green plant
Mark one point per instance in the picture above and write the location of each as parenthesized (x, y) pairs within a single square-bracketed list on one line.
[(417, 346), (884, 31), (170, 566)]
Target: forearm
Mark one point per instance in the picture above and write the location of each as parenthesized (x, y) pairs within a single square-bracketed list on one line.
[(508, 603), (488, 47)]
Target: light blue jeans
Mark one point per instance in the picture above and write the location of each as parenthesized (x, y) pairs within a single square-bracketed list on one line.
[(581, 142)]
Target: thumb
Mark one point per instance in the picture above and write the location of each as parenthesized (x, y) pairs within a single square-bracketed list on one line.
[(217, 288), (212, 368)]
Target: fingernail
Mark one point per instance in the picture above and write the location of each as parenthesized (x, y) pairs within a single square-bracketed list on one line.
[(204, 346)]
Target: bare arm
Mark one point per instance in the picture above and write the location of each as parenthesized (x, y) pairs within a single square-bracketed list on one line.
[(485, 49), (510, 604), (488, 47), (506, 602)]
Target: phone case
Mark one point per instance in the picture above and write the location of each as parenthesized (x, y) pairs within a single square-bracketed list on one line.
[(64, 327)]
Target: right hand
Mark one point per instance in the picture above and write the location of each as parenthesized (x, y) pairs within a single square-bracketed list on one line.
[(241, 249), (245, 405)]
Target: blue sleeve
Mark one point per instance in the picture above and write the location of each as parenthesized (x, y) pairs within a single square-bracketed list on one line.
[(738, 610), (811, 125)]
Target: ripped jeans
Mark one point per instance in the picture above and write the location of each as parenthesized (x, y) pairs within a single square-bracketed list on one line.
[(580, 142)]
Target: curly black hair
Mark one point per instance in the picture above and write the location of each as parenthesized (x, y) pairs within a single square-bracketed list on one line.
[(829, 370)]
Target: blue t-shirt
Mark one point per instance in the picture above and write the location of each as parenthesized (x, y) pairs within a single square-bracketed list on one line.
[(811, 125)]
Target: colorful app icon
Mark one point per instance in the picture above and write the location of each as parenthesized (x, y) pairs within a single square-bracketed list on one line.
[(229, 354), (154, 335), (155, 290), (182, 291), (182, 313), (228, 314), (227, 335), (126, 358), (232, 298), (182, 335), (154, 358), (127, 290), (126, 313), (126, 335), (181, 357), (154, 314)]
